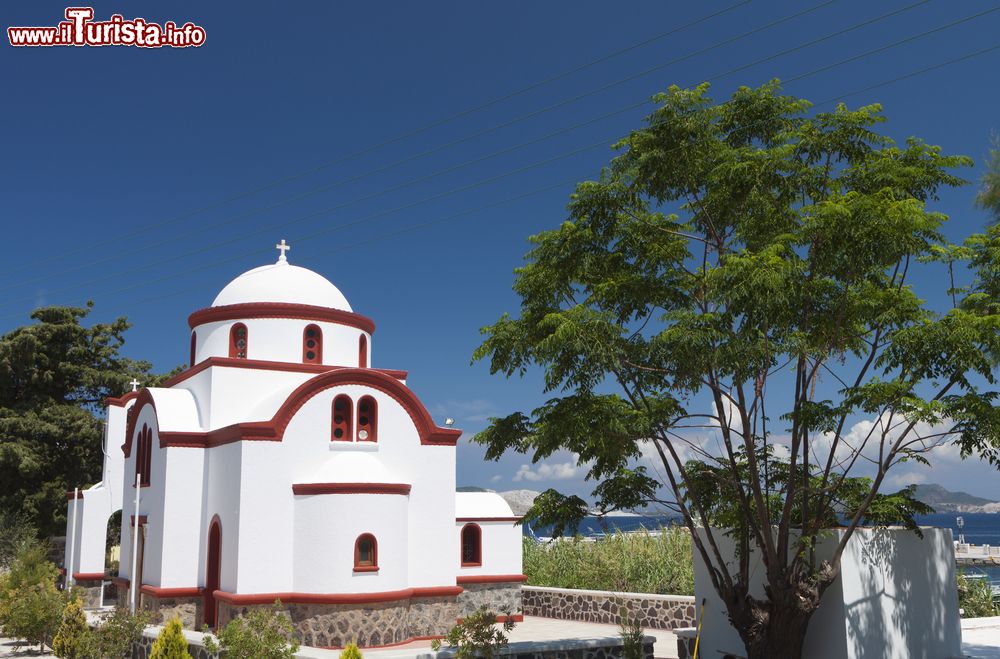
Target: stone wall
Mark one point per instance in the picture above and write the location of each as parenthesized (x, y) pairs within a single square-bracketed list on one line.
[(652, 611), (497, 597), (90, 592), (378, 623), (189, 609)]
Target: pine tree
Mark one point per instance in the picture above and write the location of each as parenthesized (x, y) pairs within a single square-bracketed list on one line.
[(73, 631), (171, 644)]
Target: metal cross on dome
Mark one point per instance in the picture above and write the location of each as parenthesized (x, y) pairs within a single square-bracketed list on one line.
[(135, 384), (282, 247)]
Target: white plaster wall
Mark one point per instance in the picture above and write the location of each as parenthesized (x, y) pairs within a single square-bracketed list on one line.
[(326, 528), (895, 598), (243, 394), (280, 339), (223, 479), (182, 519), (501, 550)]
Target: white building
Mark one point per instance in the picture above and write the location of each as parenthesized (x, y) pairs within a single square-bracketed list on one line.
[(282, 465)]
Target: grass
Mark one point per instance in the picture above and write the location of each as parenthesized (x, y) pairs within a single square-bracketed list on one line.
[(634, 562)]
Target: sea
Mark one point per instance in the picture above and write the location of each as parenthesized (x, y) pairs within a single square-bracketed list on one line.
[(980, 528)]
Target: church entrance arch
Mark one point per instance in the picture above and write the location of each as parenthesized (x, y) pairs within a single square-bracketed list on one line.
[(212, 571)]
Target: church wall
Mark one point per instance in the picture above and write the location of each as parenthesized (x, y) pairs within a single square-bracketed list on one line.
[(280, 339), (222, 497), (182, 519), (501, 549), (242, 394)]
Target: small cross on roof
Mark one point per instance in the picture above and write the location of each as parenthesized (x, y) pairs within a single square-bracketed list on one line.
[(135, 384), (282, 247)]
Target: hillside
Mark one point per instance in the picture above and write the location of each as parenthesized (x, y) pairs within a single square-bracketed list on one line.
[(946, 501)]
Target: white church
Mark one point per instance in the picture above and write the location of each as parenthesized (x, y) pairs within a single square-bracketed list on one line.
[(281, 465)]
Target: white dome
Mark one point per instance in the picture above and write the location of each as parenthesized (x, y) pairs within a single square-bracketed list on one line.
[(282, 282), (353, 467)]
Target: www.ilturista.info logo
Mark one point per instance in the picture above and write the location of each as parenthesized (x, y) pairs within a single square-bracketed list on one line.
[(80, 29)]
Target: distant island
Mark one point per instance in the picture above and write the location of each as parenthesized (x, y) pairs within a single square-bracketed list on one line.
[(946, 501)]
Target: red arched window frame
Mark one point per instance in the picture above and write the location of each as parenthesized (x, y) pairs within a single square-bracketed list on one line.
[(472, 545), (194, 344), (312, 345), (363, 352), (238, 341), (366, 553), (144, 455), (342, 427), (367, 419)]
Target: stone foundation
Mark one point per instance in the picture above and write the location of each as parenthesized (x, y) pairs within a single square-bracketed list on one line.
[(375, 624), (164, 609), (497, 597), (90, 592), (652, 611)]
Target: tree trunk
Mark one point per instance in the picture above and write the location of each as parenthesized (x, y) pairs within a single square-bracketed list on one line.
[(775, 628)]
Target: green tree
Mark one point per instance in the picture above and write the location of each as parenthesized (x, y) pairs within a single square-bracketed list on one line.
[(54, 375), (71, 640), (263, 633), (114, 638), (30, 604), (171, 644), (743, 270), (478, 635), (989, 195)]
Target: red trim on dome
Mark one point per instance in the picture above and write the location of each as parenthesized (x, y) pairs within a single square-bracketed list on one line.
[(491, 578), (274, 430), (337, 598), (350, 488), (264, 365), (247, 310)]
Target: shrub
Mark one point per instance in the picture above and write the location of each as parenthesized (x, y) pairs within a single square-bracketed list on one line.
[(975, 597), (477, 635), (171, 644), (640, 562), (16, 532), (114, 637), (351, 651), (631, 633), (71, 641), (30, 604), (261, 634)]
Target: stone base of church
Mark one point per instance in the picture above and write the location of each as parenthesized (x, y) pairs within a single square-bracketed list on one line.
[(90, 592), (500, 598), (190, 609), (368, 625)]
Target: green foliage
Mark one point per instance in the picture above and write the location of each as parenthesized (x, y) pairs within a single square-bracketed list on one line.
[(114, 637), (975, 597), (640, 562), (171, 644), (263, 633), (30, 604), (989, 194), (632, 635), (477, 635), (16, 532), (746, 270), (351, 651), (71, 641), (54, 374)]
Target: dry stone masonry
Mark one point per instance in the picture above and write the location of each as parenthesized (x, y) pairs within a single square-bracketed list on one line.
[(652, 611)]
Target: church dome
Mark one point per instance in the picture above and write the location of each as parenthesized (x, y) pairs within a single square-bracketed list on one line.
[(282, 282)]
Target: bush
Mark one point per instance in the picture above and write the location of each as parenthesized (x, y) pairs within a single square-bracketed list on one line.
[(477, 635), (171, 644), (30, 604), (261, 634), (351, 651), (72, 640), (16, 532), (975, 597), (114, 637), (631, 633), (639, 562)]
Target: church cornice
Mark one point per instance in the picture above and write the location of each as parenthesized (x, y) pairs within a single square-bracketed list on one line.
[(266, 365), (249, 310)]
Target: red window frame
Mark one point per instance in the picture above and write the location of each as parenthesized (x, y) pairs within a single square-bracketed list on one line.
[(472, 533), (144, 455), (372, 565), (235, 351), (194, 344), (367, 420), (363, 352), (342, 422), (316, 350)]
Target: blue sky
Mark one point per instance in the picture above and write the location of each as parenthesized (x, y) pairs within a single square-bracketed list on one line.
[(121, 165)]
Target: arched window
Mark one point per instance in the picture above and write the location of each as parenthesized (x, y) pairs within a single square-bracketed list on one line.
[(144, 454), (238, 341), (472, 545), (363, 352), (342, 418), (312, 345), (367, 419), (194, 344), (365, 553)]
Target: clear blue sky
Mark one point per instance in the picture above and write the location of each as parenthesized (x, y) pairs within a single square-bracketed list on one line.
[(109, 154)]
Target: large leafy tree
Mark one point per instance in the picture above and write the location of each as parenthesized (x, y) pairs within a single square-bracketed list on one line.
[(743, 271), (54, 375), (989, 194)]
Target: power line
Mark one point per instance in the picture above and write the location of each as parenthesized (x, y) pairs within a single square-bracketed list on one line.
[(368, 197), (505, 201), (455, 142), (412, 133)]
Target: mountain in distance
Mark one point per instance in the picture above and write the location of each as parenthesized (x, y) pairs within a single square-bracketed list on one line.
[(946, 501)]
